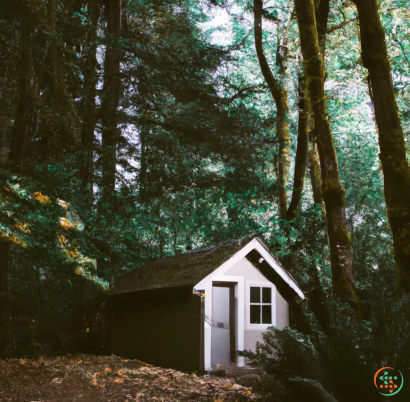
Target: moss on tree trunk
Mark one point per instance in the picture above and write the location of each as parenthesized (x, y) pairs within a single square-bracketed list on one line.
[(301, 152), (333, 192), (393, 156), (322, 14)]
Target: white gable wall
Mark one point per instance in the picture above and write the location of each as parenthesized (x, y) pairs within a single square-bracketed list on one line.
[(246, 269), (280, 310), (240, 271), (245, 275)]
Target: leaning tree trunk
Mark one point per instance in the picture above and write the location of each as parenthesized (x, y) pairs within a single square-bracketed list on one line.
[(333, 192), (301, 152), (393, 156), (90, 82), (110, 100), (289, 261), (278, 90), (25, 106)]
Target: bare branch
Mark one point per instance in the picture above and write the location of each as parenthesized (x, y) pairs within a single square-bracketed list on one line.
[(342, 25)]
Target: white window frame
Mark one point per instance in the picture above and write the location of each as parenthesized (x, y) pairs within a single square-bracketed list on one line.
[(260, 284)]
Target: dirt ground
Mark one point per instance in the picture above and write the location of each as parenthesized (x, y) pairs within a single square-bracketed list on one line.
[(109, 378)]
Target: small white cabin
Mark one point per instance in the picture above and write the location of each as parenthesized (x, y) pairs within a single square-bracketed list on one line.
[(159, 318)]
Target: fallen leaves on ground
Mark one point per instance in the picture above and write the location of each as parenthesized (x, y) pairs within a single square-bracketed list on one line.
[(110, 378)]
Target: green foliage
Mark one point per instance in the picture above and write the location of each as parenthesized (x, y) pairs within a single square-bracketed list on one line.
[(337, 361), (195, 164)]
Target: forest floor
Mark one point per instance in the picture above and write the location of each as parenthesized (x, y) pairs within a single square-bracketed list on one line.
[(109, 378)]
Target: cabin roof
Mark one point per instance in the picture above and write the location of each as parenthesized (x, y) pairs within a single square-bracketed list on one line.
[(185, 269)]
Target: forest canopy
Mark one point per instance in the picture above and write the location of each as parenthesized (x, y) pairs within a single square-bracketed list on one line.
[(133, 130)]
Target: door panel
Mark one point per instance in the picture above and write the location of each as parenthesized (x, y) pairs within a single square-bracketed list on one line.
[(221, 334)]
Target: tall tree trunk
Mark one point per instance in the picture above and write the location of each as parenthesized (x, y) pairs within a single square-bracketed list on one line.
[(124, 19), (393, 156), (109, 104), (4, 265), (301, 152), (315, 174), (144, 132), (25, 105), (90, 82), (57, 83), (278, 90), (333, 192), (322, 14), (58, 112), (110, 100), (56, 70), (55, 79)]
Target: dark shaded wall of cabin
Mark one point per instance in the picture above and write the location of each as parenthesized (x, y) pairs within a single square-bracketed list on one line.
[(160, 327)]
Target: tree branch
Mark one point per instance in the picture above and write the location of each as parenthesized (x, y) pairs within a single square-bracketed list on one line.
[(341, 25), (266, 71)]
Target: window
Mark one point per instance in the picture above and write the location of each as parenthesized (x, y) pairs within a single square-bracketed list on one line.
[(261, 305)]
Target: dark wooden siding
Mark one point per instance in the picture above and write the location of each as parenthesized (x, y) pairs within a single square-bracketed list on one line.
[(160, 327)]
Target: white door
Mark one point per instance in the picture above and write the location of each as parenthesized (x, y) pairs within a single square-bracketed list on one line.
[(220, 342)]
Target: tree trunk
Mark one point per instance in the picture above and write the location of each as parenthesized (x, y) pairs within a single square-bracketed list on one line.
[(333, 192), (90, 82), (144, 132), (315, 175), (393, 156), (58, 112), (124, 19), (25, 106), (110, 100), (4, 265), (109, 104), (278, 90), (57, 83), (322, 14), (301, 153), (55, 79)]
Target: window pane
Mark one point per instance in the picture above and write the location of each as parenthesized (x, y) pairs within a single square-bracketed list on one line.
[(255, 295), (266, 295), (256, 314), (266, 314)]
